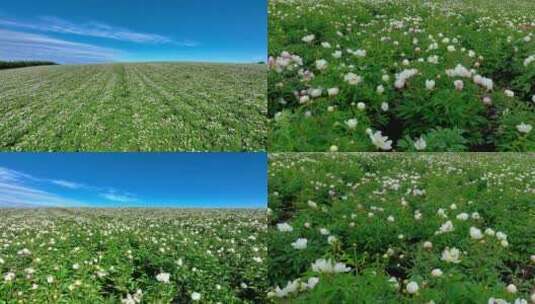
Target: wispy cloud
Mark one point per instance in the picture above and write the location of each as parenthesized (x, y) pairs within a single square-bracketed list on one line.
[(93, 29), (18, 189), (67, 184), (25, 46), (122, 198)]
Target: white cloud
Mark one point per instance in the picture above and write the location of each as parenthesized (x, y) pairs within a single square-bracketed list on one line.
[(94, 29), (123, 198), (67, 184), (18, 189), (13, 194), (25, 46)]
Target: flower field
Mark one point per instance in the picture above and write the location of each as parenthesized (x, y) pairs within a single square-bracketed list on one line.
[(410, 75), (132, 256), (134, 107), (402, 228)]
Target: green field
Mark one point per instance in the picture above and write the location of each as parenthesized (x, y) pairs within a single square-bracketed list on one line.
[(132, 256), (402, 75), (403, 228), (134, 107)]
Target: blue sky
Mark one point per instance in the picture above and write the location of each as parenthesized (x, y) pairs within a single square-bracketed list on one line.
[(78, 31), (226, 180)]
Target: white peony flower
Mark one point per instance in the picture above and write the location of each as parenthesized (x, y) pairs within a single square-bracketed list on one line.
[(331, 239), (436, 272), (311, 283), (337, 54), (380, 141), (333, 91), (475, 233), (420, 144), (412, 287), (429, 84), (352, 78), (300, 244), (316, 92), (328, 266), (511, 288), (380, 89), (351, 123), (10, 276), (195, 296), (321, 64), (163, 277), (284, 227), (446, 227), (308, 38), (451, 255), (524, 128)]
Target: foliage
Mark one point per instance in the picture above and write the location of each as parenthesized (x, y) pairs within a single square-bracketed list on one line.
[(105, 255), (134, 107), (385, 63), (390, 217)]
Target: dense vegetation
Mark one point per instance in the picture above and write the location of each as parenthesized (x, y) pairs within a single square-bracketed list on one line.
[(22, 64), (134, 107), (402, 228), (132, 256), (409, 75)]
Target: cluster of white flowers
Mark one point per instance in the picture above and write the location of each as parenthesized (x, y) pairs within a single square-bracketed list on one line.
[(352, 78), (451, 255), (378, 140), (459, 71), (284, 227), (328, 266), (321, 64), (294, 287), (163, 277), (524, 128), (502, 301), (420, 144), (484, 82), (300, 244), (195, 296), (284, 61), (308, 38), (133, 299), (401, 78), (358, 53)]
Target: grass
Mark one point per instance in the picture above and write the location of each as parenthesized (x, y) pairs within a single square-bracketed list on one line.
[(112, 255), (134, 107), (375, 212)]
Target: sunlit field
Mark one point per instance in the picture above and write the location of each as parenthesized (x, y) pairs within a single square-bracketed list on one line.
[(402, 228), (134, 107), (132, 256), (410, 75)]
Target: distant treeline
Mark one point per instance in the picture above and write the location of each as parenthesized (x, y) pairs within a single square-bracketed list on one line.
[(21, 64)]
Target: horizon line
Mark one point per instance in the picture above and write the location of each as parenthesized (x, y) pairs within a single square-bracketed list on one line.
[(146, 61), (85, 207)]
